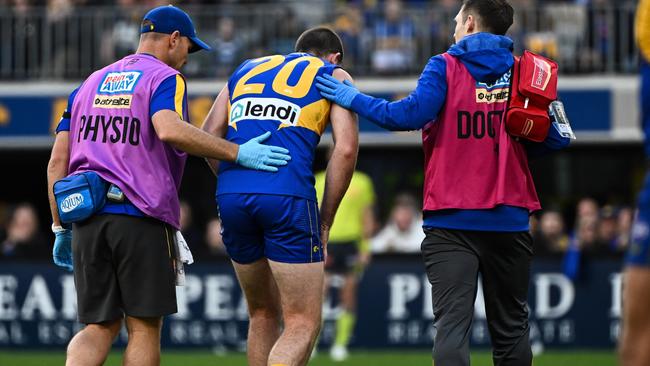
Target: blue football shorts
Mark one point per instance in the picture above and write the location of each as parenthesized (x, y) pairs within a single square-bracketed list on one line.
[(638, 253), (281, 228)]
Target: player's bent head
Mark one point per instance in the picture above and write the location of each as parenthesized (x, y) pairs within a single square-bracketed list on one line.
[(321, 42), (493, 16)]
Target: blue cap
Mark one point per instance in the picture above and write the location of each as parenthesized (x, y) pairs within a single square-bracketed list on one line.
[(168, 19)]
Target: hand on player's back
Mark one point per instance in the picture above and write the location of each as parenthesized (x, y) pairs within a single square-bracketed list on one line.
[(255, 155), (341, 93)]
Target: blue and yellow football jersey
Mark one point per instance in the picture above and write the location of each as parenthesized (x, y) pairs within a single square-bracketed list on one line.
[(278, 94)]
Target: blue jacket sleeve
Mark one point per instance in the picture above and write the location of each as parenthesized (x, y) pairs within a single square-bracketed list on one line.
[(553, 142), (414, 111)]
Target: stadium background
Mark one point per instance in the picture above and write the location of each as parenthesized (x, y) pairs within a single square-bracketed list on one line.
[(587, 191)]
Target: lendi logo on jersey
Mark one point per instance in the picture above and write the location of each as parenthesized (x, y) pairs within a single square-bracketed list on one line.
[(264, 109), (119, 82), (71, 202), (498, 92), (112, 101)]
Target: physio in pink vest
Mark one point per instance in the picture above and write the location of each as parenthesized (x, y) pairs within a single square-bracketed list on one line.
[(478, 190)]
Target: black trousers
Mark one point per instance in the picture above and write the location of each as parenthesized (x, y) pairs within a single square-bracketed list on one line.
[(453, 260)]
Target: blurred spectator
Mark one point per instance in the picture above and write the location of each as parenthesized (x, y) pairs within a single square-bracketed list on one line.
[(283, 32), (543, 43), (566, 34), (441, 25), (190, 232), (624, 228), (403, 233), (394, 40), (227, 47), (607, 229), (587, 208), (583, 35), (583, 241), (551, 238), (347, 25), (586, 237), (24, 241), (600, 26), (123, 39), (65, 58), (24, 39), (213, 239)]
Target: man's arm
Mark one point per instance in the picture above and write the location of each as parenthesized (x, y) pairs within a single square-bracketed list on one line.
[(216, 122), (345, 132), (57, 168), (410, 113), (553, 142), (184, 136), (168, 111)]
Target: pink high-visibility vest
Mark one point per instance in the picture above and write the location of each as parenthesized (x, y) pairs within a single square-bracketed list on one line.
[(470, 160)]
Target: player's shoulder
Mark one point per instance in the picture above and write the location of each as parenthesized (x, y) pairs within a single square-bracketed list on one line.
[(341, 74)]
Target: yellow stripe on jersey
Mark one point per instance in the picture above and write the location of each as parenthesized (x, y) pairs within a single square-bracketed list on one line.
[(313, 116), (179, 95), (642, 28)]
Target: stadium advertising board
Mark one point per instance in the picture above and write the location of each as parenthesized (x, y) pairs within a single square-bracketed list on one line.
[(38, 307)]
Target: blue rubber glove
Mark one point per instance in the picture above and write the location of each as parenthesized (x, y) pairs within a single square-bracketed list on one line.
[(62, 252), (252, 154), (341, 93)]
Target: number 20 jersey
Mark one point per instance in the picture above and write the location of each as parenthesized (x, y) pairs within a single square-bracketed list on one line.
[(277, 94)]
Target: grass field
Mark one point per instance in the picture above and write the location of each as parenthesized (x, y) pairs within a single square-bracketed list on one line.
[(403, 358)]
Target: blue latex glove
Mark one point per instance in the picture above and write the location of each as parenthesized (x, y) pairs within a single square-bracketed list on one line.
[(252, 154), (341, 93), (62, 252)]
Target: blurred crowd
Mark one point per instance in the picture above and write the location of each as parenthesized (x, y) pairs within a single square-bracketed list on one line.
[(595, 232), (71, 38)]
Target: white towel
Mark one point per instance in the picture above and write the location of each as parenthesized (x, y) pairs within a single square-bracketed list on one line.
[(184, 256), (183, 250)]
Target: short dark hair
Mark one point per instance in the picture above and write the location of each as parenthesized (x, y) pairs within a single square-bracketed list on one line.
[(319, 41), (495, 16)]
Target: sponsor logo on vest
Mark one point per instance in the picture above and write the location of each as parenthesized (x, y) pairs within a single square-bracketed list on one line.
[(528, 127), (492, 96), (119, 82), (264, 109), (71, 202), (112, 101), (497, 92), (541, 74)]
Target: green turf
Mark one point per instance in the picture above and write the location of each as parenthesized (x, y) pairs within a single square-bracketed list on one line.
[(396, 358)]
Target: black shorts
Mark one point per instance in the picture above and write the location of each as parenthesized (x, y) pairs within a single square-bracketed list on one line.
[(342, 257), (123, 265)]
